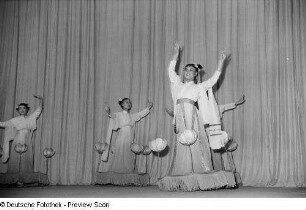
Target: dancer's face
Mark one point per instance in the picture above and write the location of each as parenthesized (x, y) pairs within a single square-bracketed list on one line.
[(126, 105), (189, 73), (22, 110)]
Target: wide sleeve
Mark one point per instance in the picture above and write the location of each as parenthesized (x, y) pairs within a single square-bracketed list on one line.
[(6, 123), (210, 82), (208, 108), (114, 121), (36, 113), (9, 135), (113, 116), (137, 116), (174, 78), (227, 107), (111, 126)]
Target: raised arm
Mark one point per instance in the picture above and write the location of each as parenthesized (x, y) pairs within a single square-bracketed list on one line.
[(226, 107), (213, 80), (171, 69), (137, 116), (6, 124), (40, 107), (240, 101), (41, 100), (108, 112)]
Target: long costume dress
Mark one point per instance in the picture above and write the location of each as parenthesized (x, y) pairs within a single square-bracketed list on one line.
[(118, 161), (220, 159), (16, 167), (191, 168)]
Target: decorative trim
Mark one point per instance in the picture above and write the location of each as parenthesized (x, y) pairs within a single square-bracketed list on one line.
[(122, 179), (25, 178), (194, 182)]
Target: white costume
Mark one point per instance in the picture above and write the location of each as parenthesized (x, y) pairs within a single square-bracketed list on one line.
[(191, 167), (18, 129), (118, 161), (122, 160), (196, 157)]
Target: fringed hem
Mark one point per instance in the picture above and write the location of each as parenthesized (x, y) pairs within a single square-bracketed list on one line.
[(122, 179), (193, 182), (26, 178)]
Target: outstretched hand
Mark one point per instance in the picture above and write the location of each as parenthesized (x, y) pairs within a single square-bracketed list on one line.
[(107, 109), (240, 101), (177, 50), (223, 56), (149, 104), (38, 97), (224, 60), (177, 47), (41, 100)]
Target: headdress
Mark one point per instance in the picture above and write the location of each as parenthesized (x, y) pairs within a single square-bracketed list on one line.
[(198, 68), (23, 104), (120, 100)]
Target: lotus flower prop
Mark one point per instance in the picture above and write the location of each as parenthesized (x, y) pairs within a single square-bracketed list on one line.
[(232, 146), (146, 150), (188, 137), (21, 148), (101, 147), (136, 148), (48, 152), (158, 145)]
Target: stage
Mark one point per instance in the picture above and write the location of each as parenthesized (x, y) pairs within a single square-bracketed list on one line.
[(108, 191)]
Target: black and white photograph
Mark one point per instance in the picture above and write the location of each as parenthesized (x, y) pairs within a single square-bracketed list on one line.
[(150, 104)]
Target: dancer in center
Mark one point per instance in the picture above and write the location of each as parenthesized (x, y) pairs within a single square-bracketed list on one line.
[(118, 161), (191, 167)]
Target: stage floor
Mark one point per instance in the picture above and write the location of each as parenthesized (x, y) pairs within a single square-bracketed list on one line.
[(108, 191)]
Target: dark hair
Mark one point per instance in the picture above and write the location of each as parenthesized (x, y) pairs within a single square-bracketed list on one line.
[(196, 66), (122, 100), (23, 104)]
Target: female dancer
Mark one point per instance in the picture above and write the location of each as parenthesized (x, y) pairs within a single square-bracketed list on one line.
[(191, 168), (118, 160), (20, 130), (24, 125)]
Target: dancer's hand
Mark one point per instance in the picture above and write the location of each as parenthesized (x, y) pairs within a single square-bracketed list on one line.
[(149, 104), (177, 50), (38, 97), (224, 59), (107, 110), (223, 56), (240, 101), (177, 47), (41, 100)]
